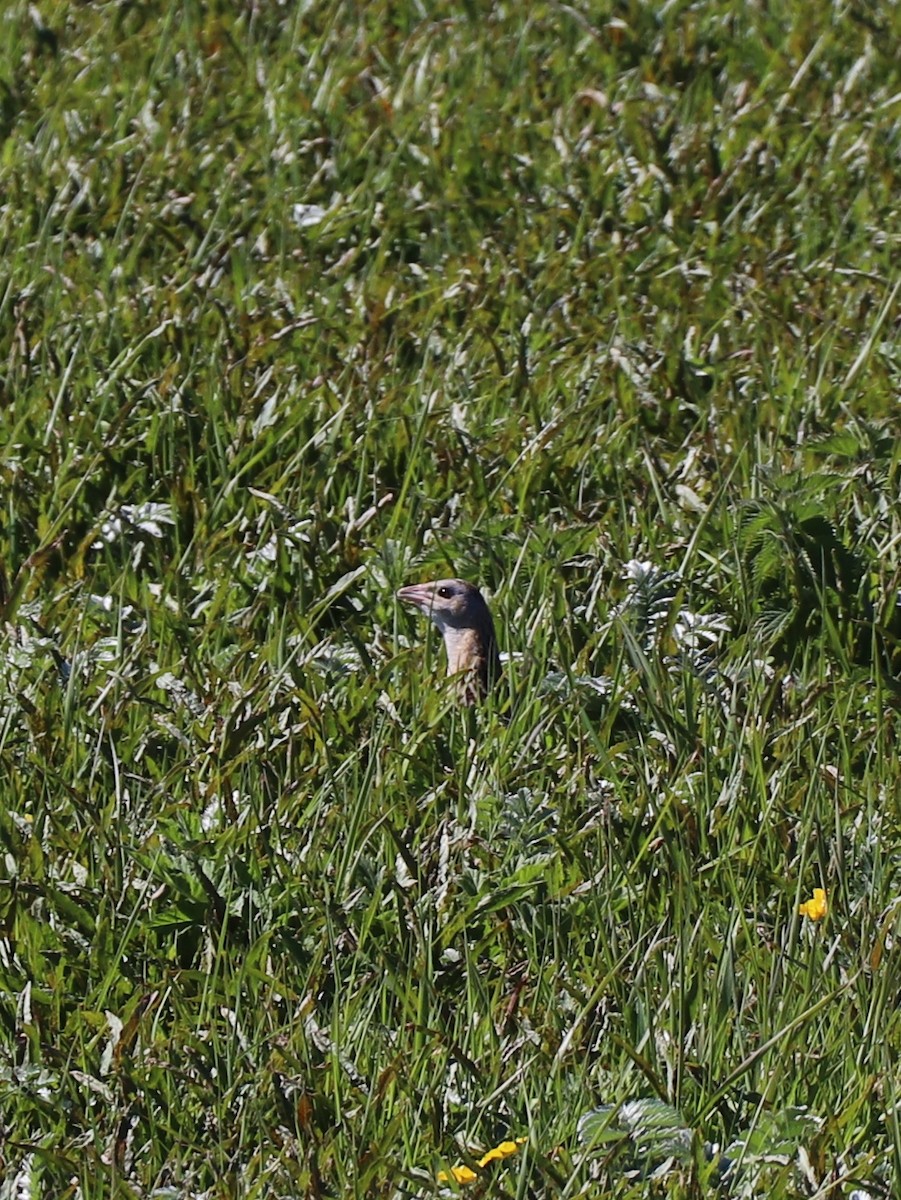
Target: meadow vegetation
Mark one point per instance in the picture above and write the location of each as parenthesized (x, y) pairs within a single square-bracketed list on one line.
[(596, 306)]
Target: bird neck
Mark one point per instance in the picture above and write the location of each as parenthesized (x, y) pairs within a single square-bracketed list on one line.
[(473, 651)]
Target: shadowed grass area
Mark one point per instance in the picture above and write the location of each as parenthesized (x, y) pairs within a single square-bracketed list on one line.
[(596, 308)]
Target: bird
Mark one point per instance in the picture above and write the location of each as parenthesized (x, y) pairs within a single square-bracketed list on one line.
[(459, 610)]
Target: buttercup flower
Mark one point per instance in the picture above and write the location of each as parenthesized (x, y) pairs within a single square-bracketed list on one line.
[(816, 907), (458, 1174), (464, 1174), (504, 1150)]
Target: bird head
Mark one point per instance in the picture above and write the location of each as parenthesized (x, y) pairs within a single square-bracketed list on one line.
[(460, 612), (451, 603)]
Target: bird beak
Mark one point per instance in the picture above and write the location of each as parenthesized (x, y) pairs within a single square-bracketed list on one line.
[(419, 594)]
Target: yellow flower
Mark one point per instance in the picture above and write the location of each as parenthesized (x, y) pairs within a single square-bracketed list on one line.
[(816, 907), (463, 1174), (504, 1150), (458, 1174)]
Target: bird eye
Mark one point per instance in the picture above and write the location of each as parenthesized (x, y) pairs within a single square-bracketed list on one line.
[(444, 592)]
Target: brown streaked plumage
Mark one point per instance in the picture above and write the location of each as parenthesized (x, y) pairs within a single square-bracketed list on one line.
[(460, 612)]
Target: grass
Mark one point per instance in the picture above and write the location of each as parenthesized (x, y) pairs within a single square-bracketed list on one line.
[(598, 309)]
